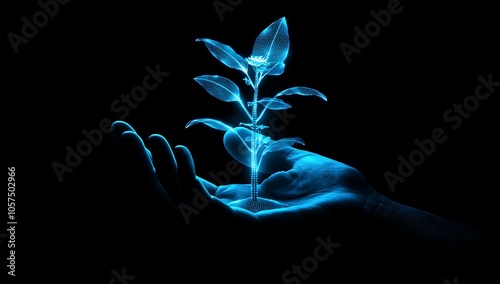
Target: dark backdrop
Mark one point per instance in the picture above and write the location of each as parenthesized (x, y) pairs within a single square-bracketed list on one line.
[(65, 78)]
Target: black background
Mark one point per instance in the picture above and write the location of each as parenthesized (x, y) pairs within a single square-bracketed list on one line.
[(394, 91)]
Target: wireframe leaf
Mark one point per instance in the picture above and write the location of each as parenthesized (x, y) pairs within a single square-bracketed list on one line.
[(273, 42), (278, 69), (225, 54), (303, 91), (274, 103), (283, 143), (216, 124), (220, 87)]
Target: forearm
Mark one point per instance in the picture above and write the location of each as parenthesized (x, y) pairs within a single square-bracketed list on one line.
[(416, 241), (422, 228)]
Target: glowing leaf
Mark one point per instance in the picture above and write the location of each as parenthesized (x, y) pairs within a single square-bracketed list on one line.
[(283, 143), (278, 69), (273, 42), (220, 87), (303, 91), (210, 122), (268, 55), (225, 54), (274, 103)]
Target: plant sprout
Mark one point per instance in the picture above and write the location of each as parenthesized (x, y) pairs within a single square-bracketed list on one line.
[(268, 55)]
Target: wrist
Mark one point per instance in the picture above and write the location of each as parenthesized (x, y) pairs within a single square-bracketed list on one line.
[(374, 204)]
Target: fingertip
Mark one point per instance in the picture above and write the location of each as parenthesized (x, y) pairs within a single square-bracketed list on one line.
[(185, 163), (157, 143), (164, 162), (131, 137), (155, 136), (189, 185), (119, 127), (133, 144)]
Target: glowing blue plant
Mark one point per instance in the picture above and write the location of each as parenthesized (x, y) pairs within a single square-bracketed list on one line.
[(268, 55)]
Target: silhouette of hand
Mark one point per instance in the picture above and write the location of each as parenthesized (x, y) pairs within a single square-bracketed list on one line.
[(312, 186), (166, 178), (319, 193), (323, 197)]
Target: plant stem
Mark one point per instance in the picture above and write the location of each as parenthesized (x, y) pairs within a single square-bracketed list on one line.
[(254, 178)]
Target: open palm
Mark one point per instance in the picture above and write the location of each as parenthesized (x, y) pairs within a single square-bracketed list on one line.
[(312, 186), (309, 184)]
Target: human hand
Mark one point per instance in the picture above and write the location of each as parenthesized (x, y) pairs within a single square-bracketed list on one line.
[(311, 185), (323, 196), (169, 206), (314, 188), (166, 178)]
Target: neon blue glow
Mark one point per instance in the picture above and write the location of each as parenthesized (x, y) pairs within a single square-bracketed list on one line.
[(225, 54), (268, 55), (272, 43)]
